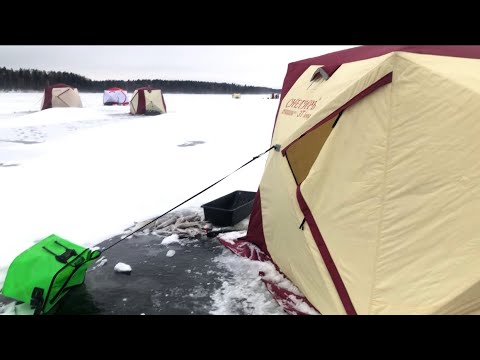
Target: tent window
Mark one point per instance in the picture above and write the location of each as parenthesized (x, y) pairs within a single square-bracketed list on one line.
[(302, 154)]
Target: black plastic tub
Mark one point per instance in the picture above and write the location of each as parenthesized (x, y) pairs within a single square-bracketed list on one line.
[(230, 209)]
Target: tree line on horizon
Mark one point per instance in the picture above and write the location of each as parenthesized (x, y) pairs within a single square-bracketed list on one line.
[(32, 79)]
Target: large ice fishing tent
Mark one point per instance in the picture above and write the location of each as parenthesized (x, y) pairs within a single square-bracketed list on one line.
[(148, 101), (371, 205), (115, 96), (60, 95)]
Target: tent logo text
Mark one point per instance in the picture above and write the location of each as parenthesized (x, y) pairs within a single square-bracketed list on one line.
[(301, 104)]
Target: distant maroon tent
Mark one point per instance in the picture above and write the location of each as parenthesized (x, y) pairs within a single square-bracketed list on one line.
[(60, 95), (148, 101)]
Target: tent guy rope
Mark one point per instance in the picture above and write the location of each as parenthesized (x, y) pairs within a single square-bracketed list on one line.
[(55, 270), (276, 147)]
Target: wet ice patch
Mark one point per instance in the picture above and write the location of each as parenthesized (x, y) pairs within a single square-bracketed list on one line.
[(8, 165), (191, 143), (198, 292), (20, 142)]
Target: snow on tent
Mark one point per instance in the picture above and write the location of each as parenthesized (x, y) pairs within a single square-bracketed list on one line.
[(60, 95), (371, 204), (41, 275), (115, 96), (148, 101)]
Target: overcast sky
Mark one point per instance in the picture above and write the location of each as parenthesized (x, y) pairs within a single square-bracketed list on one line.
[(260, 65)]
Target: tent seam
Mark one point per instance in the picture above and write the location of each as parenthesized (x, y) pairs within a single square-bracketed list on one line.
[(383, 195), (432, 71)]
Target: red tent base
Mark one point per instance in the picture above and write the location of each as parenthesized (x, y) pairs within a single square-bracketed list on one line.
[(292, 303)]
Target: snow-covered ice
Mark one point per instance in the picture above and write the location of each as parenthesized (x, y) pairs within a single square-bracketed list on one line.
[(122, 268), (231, 236), (87, 174), (102, 259), (8, 309), (99, 263), (170, 239), (245, 293), (93, 171)]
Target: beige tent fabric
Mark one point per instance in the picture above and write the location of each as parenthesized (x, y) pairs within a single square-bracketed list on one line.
[(134, 102), (349, 80), (429, 236), (154, 101), (66, 97), (343, 191), (394, 191), (292, 249)]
